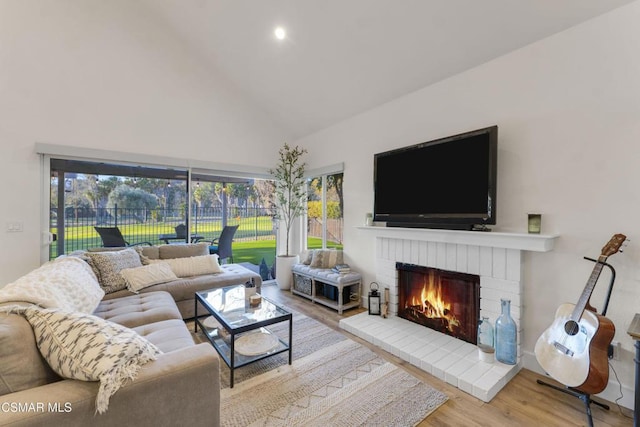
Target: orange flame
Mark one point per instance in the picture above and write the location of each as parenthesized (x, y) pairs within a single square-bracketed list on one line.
[(433, 303)]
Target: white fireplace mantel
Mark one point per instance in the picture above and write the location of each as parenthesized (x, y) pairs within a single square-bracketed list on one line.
[(521, 241), (496, 257)]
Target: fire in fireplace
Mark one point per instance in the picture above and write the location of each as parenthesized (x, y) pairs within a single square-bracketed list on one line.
[(446, 301)]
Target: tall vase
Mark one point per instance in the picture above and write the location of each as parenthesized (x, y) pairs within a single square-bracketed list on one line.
[(505, 335)]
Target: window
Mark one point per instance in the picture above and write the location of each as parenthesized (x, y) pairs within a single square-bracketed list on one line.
[(325, 207), (142, 202), (151, 205)]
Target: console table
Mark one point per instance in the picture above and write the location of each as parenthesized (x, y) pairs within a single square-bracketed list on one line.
[(634, 331)]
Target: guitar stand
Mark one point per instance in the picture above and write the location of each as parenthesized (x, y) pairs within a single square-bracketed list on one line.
[(586, 398)]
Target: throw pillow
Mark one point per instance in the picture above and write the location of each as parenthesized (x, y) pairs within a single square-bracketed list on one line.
[(87, 348), (326, 258), (193, 266), (306, 256), (148, 252), (109, 265), (141, 277)]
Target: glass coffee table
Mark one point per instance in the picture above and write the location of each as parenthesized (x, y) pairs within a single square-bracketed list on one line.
[(239, 333)]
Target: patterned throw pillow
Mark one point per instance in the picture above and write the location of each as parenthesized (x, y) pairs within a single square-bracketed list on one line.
[(84, 347), (326, 258), (108, 265), (147, 275)]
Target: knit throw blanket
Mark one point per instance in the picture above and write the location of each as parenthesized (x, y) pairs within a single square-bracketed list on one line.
[(66, 283)]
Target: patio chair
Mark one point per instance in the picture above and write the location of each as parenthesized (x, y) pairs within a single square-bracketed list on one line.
[(113, 238), (222, 245), (181, 231)]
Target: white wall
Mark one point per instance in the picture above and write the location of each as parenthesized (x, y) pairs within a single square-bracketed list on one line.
[(106, 75), (568, 110)]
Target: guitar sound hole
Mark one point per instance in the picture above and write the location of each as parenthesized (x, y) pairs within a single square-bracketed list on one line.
[(571, 327)]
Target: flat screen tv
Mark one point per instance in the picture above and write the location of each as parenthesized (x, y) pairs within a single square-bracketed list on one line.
[(447, 183)]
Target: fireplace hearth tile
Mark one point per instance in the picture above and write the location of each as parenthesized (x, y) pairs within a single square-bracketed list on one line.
[(440, 367), (453, 345), (491, 383), (440, 355), (397, 346), (405, 352), (427, 362), (416, 358), (457, 369), (472, 375)]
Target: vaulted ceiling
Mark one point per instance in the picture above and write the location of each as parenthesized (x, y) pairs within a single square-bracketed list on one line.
[(343, 57)]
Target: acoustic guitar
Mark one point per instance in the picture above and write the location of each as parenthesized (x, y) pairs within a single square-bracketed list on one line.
[(573, 350)]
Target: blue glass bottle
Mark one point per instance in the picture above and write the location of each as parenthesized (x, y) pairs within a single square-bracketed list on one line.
[(505, 335), (485, 332)]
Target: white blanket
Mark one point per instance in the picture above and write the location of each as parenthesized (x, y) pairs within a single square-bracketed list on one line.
[(66, 283)]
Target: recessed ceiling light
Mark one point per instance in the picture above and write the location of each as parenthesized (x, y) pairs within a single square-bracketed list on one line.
[(280, 33)]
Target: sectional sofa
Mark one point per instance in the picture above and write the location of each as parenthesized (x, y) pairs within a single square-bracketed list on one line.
[(180, 387)]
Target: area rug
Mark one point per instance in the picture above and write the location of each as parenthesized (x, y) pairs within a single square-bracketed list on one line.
[(333, 381)]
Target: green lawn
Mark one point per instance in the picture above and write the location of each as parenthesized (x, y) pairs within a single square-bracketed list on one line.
[(254, 251), (244, 248)]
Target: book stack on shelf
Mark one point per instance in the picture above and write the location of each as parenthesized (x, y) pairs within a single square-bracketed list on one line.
[(341, 268)]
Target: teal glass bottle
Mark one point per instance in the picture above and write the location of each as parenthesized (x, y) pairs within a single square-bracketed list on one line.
[(506, 335), (485, 332)]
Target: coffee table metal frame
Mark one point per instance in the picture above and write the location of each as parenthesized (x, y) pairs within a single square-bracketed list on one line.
[(239, 321)]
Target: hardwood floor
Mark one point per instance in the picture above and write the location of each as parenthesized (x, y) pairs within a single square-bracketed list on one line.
[(522, 402)]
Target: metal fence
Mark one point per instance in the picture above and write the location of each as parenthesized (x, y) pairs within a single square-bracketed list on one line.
[(147, 225)]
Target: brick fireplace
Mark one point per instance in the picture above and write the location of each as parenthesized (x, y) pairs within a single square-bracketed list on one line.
[(495, 257)]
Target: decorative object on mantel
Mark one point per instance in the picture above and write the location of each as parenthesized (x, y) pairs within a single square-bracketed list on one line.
[(384, 311), (535, 223), (506, 335), (374, 299), (368, 219)]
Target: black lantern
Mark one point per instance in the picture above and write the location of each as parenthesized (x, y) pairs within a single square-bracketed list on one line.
[(374, 299)]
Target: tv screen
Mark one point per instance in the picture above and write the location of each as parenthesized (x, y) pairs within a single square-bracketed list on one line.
[(445, 183)]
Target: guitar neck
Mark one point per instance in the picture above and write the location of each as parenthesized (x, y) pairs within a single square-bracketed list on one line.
[(588, 289)]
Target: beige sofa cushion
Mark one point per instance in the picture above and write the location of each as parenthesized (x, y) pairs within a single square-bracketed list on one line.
[(168, 335), (192, 266), (140, 309), (183, 251), (147, 275), (22, 366)]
